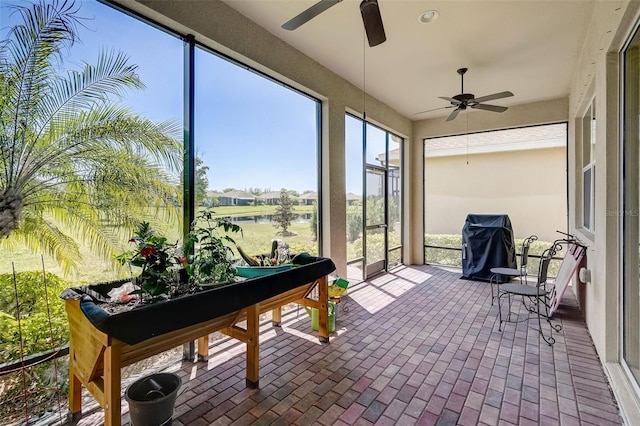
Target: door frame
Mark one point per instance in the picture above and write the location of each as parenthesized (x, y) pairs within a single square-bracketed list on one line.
[(378, 266)]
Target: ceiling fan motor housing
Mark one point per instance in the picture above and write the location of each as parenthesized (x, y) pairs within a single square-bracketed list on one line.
[(372, 20), (464, 97)]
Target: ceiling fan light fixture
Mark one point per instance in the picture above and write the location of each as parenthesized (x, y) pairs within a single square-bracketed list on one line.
[(429, 16), (463, 101), (372, 20)]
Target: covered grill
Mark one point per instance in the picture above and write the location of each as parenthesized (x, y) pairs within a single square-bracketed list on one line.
[(487, 242)]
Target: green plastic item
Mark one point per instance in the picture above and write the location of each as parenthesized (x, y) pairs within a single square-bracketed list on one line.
[(341, 282), (315, 317)]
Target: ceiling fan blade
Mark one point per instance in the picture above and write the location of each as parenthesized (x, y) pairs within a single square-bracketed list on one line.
[(453, 114), (493, 97), (435, 109), (492, 108), (372, 22), (309, 14), (453, 101)]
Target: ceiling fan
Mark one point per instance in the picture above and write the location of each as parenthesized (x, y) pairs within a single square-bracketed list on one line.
[(368, 9), (467, 100)]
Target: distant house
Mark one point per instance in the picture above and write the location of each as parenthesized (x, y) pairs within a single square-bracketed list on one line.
[(236, 198), (212, 199), (308, 198), (270, 198), (353, 198)]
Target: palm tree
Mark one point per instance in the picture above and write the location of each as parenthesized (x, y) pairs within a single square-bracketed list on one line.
[(75, 165)]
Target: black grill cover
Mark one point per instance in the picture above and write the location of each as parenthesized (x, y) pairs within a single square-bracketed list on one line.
[(487, 242)]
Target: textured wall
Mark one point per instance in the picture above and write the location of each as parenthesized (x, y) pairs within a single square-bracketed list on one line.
[(529, 186)]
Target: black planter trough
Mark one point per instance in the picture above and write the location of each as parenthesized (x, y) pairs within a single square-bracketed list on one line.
[(102, 343)]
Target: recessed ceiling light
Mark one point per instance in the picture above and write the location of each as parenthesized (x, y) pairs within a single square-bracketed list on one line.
[(429, 16)]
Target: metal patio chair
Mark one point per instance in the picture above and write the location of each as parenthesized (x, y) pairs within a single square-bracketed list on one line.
[(511, 273), (538, 295)]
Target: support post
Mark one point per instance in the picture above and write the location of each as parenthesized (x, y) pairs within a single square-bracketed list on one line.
[(276, 316), (189, 158), (253, 346), (323, 310), (203, 347), (112, 415), (75, 388)]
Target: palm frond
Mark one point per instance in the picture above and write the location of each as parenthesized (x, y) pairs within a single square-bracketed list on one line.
[(46, 28), (82, 90), (88, 133), (77, 166), (38, 234)]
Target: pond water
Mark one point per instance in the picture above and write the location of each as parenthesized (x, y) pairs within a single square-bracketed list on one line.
[(268, 219)]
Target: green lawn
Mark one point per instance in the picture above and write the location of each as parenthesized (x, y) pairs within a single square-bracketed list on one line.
[(255, 239)]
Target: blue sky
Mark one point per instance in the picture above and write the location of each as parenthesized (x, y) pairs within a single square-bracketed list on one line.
[(250, 131)]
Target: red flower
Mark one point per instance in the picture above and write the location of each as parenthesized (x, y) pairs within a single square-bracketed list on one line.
[(147, 251)]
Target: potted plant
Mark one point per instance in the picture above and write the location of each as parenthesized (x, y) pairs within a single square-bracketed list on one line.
[(209, 253), (158, 260), (167, 271)]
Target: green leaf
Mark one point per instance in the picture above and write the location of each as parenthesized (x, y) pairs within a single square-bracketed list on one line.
[(79, 165)]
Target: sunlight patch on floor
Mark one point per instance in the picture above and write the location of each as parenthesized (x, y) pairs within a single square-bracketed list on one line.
[(380, 291), (372, 299), (411, 274), (227, 348), (313, 338), (397, 287), (225, 356)]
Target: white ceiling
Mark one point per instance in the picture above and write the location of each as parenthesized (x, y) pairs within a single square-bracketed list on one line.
[(528, 47)]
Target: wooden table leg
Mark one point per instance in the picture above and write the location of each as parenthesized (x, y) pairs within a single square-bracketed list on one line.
[(112, 414), (203, 347), (253, 346), (276, 316), (75, 389), (323, 314)]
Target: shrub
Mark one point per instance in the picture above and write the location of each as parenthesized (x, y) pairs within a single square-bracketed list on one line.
[(446, 257), (375, 245), (34, 314), (354, 223)]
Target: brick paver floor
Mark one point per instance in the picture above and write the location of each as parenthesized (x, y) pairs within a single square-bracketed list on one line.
[(419, 346)]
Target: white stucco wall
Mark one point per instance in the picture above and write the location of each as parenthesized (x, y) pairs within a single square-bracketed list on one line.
[(529, 186), (598, 75)]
